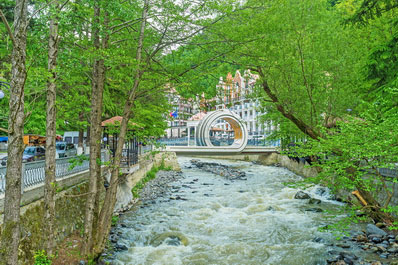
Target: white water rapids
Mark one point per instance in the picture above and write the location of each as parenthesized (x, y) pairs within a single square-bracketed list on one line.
[(253, 221)]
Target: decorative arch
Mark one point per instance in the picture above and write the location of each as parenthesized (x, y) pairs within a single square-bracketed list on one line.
[(239, 127)]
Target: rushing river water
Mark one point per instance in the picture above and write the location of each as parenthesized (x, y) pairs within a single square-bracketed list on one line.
[(219, 221)]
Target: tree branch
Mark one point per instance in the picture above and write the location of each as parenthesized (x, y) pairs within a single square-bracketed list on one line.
[(3, 18), (287, 114)]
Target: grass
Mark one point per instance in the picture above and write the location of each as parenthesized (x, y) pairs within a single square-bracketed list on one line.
[(151, 174)]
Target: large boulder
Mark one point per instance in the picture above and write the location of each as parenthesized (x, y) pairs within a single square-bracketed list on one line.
[(301, 195), (374, 230)]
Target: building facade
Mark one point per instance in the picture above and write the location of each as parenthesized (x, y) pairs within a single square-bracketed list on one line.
[(235, 93), (181, 110)]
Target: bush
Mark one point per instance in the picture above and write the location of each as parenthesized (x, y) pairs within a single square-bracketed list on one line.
[(41, 258), (114, 220)]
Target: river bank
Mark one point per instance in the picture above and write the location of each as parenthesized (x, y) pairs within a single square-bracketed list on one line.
[(275, 222)]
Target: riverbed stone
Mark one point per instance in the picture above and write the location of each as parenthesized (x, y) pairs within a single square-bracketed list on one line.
[(381, 248), (374, 249), (318, 240), (301, 195), (120, 247), (348, 255), (348, 261), (314, 201), (376, 239), (380, 225), (343, 245), (372, 229), (392, 250), (361, 238), (333, 259), (315, 210)]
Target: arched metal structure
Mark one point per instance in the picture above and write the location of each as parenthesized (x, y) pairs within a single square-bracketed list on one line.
[(239, 127)]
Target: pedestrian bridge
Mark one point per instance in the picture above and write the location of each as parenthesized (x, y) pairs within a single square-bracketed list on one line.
[(204, 144), (220, 150)]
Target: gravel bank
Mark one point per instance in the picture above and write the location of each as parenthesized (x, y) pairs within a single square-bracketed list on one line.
[(159, 186)]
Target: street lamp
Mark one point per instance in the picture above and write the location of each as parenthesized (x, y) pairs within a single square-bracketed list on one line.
[(5, 85)]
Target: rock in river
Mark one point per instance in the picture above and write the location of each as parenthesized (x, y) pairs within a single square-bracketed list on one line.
[(314, 201), (372, 229), (301, 195), (316, 210)]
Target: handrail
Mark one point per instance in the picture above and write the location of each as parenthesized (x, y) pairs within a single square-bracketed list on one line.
[(34, 172)]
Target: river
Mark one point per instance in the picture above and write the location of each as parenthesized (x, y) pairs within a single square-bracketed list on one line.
[(220, 221)]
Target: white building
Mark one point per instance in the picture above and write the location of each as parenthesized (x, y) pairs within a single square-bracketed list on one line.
[(233, 94)]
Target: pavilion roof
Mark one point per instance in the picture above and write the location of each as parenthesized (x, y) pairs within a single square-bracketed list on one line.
[(117, 120), (197, 116)]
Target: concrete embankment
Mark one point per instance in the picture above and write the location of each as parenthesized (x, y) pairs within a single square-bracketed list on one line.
[(269, 159)]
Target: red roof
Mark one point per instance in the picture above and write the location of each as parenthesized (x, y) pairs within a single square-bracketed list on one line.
[(117, 120), (112, 121)]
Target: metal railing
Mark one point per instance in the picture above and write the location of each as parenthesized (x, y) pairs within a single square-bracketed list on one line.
[(145, 149), (388, 172), (183, 141), (34, 172)]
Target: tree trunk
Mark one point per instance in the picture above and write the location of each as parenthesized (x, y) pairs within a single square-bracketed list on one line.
[(10, 235), (101, 83), (81, 131), (105, 217), (50, 182), (306, 129), (95, 138), (373, 208)]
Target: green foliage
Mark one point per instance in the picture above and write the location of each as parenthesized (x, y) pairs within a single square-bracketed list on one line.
[(114, 220), (370, 9), (364, 144), (78, 161), (41, 258)]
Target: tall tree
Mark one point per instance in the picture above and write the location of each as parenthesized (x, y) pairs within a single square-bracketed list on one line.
[(10, 236), (110, 197), (50, 181), (98, 83)]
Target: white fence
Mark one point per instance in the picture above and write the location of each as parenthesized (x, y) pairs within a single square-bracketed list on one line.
[(34, 172)]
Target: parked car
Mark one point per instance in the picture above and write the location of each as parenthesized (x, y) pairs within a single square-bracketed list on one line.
[(31, 153), (65, 149), (259, 137)]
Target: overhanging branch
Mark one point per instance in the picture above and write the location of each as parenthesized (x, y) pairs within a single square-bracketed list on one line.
[(3, 18)]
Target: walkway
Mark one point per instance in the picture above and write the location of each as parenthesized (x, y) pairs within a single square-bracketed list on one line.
[(34, 172)]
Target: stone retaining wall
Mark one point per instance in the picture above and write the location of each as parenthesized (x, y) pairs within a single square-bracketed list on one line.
[(70, 208), (70, 205)]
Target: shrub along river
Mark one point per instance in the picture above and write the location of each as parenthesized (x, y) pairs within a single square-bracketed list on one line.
[(227, 212)]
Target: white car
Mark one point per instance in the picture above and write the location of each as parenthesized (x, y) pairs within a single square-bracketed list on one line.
[(65, 149)]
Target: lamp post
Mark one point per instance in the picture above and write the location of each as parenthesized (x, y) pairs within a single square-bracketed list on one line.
[(5, 85)]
